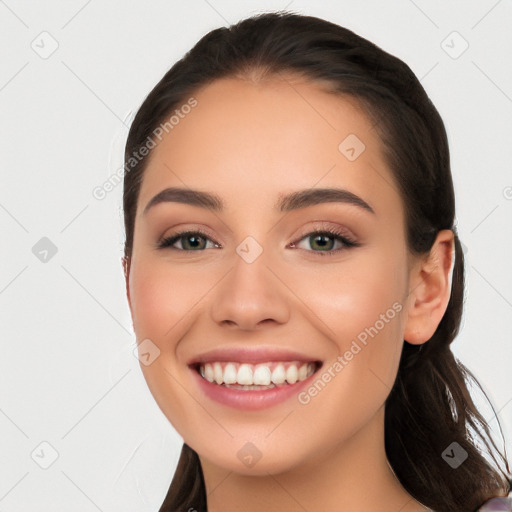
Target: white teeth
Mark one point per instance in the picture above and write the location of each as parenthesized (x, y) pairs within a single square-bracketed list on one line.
[(218, 373), (208, 372), (292, 374), (230, 374), (262, 375), (278, 375), (244, 375), (248, 376)]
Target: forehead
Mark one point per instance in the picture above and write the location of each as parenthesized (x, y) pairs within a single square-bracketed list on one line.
[(247, 139)]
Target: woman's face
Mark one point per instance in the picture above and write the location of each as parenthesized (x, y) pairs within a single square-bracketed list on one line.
[(254, 284)]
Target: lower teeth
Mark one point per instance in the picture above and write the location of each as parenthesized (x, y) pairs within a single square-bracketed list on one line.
[(249, 388)]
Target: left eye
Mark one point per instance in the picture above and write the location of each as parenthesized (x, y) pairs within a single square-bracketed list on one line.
[(325, 241)]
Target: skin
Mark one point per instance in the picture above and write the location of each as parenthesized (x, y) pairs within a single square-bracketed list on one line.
[(248, 141)]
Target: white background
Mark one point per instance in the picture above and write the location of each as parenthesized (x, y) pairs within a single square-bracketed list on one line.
[(67, 373)]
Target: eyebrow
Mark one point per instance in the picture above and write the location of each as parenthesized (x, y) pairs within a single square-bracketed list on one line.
[(294, 201)]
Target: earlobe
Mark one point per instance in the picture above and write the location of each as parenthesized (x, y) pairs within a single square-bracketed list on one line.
[(430, 283)]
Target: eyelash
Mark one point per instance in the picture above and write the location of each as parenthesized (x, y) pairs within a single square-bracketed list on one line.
[(347, 242)]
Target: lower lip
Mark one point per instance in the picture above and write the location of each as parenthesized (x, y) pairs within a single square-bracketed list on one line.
[(251, 400)]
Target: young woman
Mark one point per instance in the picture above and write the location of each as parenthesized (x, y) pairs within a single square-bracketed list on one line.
[(295, 279)]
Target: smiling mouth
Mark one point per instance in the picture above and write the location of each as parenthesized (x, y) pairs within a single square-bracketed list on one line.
[(259, 376)]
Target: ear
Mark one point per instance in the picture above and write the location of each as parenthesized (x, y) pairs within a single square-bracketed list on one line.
[(126, 269), (429, 290)]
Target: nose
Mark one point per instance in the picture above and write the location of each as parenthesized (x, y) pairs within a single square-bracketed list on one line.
[(250, 296)]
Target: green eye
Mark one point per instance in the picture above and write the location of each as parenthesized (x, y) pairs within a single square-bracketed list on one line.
[(189, 241), (324, 242)]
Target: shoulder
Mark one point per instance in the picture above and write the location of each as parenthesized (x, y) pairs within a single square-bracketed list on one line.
[(497, 505)]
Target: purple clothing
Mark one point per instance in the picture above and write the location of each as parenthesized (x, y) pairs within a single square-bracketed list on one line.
[(497, 505)]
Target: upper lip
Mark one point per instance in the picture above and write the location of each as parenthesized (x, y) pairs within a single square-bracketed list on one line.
[(250, 355)]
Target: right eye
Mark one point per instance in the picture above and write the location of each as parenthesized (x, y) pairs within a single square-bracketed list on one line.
[(189, 241)]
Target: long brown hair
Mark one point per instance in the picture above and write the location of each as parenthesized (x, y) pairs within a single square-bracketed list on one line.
[(429, 407)]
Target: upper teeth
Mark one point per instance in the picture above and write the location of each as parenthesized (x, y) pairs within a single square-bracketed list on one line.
[(258, 374)]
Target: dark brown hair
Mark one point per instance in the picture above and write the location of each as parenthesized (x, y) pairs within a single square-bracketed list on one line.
[(430, 406)]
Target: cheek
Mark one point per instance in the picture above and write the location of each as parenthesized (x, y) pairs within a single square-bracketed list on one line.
[(163, 298), (360, 312), (355, 295), (359, 309)]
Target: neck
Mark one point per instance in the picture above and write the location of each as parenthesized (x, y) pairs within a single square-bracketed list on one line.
[(351, 477)]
